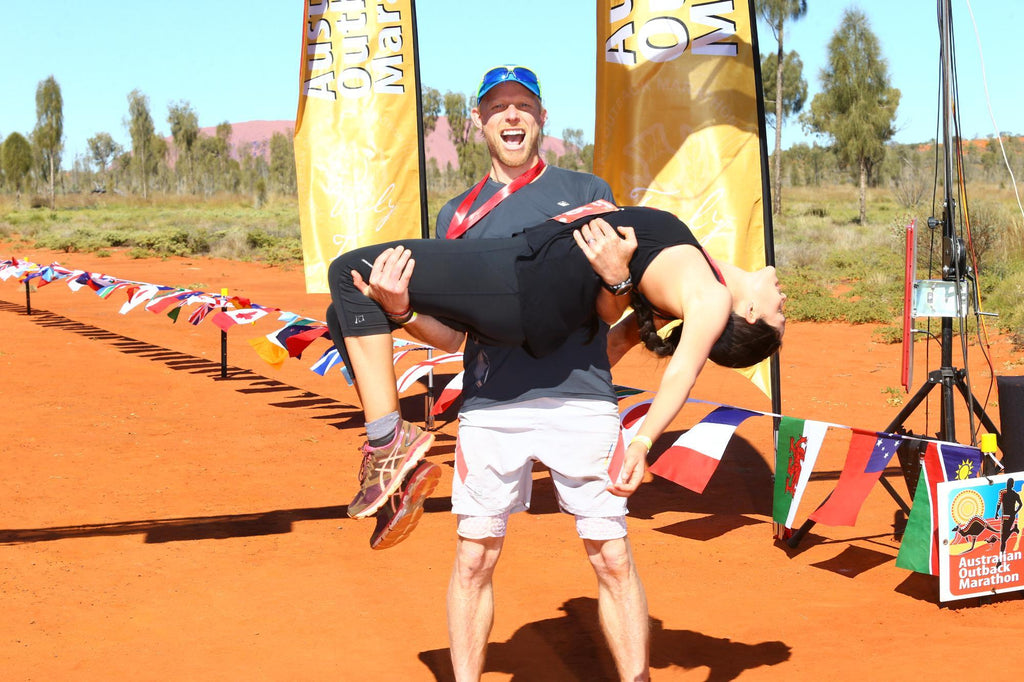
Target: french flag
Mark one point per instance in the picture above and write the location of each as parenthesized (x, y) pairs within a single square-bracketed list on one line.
[(695, 455)]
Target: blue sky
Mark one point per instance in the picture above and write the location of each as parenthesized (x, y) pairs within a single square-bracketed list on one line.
[(239, 61)]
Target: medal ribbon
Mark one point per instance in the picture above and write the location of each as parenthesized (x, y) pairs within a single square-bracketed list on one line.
[(460, 223)]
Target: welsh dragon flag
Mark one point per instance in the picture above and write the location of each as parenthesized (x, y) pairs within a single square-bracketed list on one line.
[(796, 451)]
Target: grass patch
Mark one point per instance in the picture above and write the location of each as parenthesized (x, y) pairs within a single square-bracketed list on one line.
[(832, 267), (227, 227)]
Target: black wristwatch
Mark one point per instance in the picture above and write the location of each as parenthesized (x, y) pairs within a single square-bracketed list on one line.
[(620, 289)]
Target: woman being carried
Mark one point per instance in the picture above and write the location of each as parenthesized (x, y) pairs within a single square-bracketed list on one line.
[(536, 288)]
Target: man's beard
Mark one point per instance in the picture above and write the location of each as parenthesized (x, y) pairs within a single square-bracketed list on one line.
[(514, 159)]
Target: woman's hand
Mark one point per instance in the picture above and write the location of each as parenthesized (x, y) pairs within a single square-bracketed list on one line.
[(608, 250), (389, 280), (634, 466)]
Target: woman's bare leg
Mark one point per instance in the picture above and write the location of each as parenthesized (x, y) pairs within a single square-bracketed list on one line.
[(373, 371)]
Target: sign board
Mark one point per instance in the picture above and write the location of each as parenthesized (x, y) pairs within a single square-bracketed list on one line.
[(980, 549)]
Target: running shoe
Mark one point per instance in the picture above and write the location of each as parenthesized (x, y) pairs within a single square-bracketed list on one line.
[(384, 468), (399, 516)]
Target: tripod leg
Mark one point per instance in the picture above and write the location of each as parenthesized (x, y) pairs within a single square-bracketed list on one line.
[(894, 495), (800, 532), (975, 406), (933, 379)]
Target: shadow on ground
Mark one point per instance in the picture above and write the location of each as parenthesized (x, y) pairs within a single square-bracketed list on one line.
[(572, 647)]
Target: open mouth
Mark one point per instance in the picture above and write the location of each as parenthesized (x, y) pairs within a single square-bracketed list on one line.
[(513, 137)]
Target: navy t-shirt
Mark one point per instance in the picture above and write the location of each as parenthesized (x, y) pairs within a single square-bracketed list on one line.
[(578, 368), (558, 288)]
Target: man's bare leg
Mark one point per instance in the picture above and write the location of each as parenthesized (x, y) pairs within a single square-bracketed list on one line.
[(622, 606), (471, 604)]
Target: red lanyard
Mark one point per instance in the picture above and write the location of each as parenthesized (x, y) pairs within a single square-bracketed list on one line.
[(460, 223)]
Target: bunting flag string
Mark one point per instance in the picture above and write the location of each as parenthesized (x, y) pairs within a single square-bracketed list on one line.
[(420, 369), (694, 456), (690, 460)]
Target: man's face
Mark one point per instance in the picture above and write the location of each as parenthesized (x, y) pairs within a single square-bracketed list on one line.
[(511, 118)]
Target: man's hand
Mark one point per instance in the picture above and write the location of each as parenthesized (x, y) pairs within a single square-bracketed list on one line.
[(389, 280), (607, 251)]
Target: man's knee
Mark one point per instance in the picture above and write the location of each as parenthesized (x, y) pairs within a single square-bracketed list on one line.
[(475, 559), (612, 559)]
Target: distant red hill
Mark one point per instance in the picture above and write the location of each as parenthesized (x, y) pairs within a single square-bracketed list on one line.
[(438, 145)]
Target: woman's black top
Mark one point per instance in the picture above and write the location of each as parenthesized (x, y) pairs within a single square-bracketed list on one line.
[(559, 288)]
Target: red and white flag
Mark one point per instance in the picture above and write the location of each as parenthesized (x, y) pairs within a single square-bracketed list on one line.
[(695, 455), (422, 368), (228, 319), (448, 394)]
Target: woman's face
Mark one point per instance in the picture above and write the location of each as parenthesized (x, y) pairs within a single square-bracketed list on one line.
[(768, 298)]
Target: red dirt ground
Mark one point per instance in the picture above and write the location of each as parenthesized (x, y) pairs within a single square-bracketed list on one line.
[(162, 523)]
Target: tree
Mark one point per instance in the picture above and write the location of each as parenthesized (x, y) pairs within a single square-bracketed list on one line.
[(184, 131), (223, 136), (49, 132), (16, 159), (282, 164), (102, 150), (473, 157), (575, 147), (776, 13), (140, 127), (857, 106), (794, 88), (157, 167), (431, 101)]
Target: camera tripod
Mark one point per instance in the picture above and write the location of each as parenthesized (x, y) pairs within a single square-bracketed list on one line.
[(956, 272)]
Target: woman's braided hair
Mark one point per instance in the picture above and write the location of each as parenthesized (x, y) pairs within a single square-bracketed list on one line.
[(741, 344)]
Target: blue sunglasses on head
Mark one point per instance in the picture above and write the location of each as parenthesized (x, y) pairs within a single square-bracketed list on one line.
[(503, 74)]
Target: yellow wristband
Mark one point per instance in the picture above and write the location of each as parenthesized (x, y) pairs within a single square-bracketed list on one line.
[(647, 443), (412, 318)]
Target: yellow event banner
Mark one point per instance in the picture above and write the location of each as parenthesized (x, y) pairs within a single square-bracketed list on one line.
[(679, 123), (357, 141)]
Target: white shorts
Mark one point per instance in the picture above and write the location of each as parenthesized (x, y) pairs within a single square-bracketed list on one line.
[(578, 440)]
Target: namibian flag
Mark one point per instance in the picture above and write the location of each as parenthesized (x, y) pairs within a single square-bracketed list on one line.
[(919, 550), (695, 455)]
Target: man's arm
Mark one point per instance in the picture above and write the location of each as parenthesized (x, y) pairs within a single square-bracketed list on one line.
[(432, 331), (608, 251)]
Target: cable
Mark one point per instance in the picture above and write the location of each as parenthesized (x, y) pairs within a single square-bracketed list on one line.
[(988, 103)]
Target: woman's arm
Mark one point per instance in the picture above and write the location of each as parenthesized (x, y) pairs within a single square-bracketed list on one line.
[(705, 306), (623, 335)]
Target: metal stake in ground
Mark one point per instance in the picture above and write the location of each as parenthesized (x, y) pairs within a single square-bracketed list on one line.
[(224, 341)]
